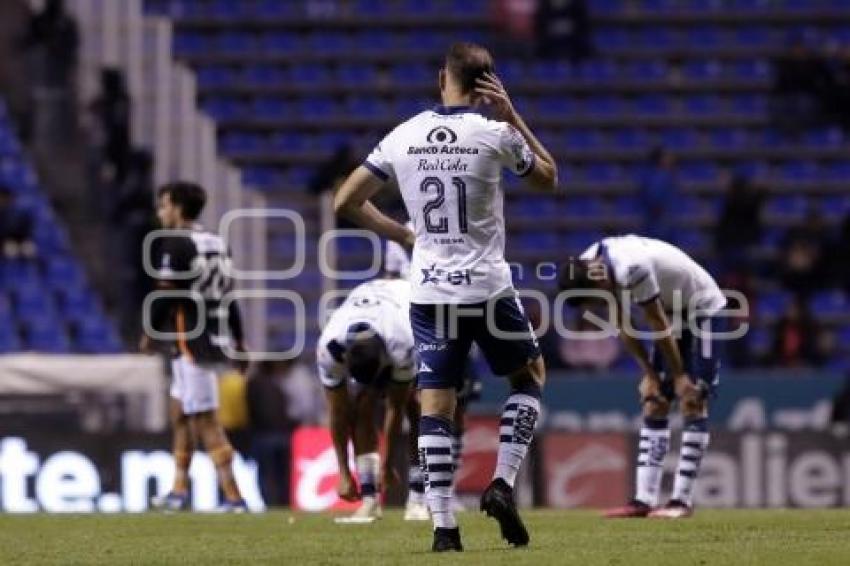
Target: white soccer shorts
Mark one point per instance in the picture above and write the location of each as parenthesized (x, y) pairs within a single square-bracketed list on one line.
[(195, 386)]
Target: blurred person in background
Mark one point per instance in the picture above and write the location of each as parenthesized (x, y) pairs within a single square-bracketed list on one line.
[(563, 29), (271, 428), (52, 40), (658, 189), (110, 128), (804, 254), (740, 225), (16, 228), (132, 218), (801, 79), (192, 261), (797, 338)]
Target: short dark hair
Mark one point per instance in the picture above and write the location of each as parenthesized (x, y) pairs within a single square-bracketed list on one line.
[(575, 275), (190, 197), (468, 62), (365, 358)]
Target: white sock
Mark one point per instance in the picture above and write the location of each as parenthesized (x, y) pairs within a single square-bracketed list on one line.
[(694, 444), (516, 430), (652, 449), (415, 484), (368, 468), (435, 457)]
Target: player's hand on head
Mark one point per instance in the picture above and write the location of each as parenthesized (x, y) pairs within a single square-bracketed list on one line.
[(492, 93), (685, 387), (346, 488)]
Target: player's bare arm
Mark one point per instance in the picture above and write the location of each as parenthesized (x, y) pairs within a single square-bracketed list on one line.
[(396, 402), (544, 175), (339, 410), (352, 202)]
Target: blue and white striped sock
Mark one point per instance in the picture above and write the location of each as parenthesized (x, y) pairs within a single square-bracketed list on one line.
[(516, 430), (652, 449), (694, 444), (435, 457), (457, 449)]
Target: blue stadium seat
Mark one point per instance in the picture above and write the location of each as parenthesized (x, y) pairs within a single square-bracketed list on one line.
[(701, 104), (705, 36), (582, 139), (263, 75), (605, 105), (679, 138), (787, 206), (328, 42), (804, 171), (773, 304), (584, 207), (825, 137), (270, 108), (279, 42), (9, 339), (260, 177), (43, 334), (604, 173), (630, 138), (317, 107), (212, 76), (365, 107), (530, 241), (748, 104), (653, 70), (374, 41), (95, 337), (546, 71), (829, 303), (613, 37), (699, 171), (289, 141), (235, 43), (239, 142), (729, 138), (752, 69), (652, 105), (186, 43), (656, 37), (310, 73), (598, 71), (223, 108), (554, 106), (18, 274), (405, 74), (274, 8), (838, 171), (355, 74), (702, 69), (752, 36), (62, 272)]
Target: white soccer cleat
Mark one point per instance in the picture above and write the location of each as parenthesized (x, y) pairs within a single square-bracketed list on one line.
[(675, 509), (170, 502), (368, 512), (416, 511)]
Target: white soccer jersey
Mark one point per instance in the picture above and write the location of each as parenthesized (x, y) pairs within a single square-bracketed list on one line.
[(650, 268), (448, 164), (385, 305)]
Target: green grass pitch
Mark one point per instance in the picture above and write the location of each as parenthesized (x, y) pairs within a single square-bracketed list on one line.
[(774, 538)]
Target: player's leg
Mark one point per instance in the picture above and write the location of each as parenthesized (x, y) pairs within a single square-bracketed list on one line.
[(182, 447), (653, 445), (440, 339), (215, 441), (457, 447), (366, 456), (416, 509), (699, 353), (511, 349), (201, 404)]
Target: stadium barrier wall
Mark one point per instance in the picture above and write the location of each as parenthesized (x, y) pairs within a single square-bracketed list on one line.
[(745, 400), (139, 379), (46, 471)]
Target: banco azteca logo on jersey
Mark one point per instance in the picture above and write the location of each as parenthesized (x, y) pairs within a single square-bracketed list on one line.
[(441, 134), (440, 142)]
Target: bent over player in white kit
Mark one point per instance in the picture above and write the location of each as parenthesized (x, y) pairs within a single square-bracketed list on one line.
[(365, 352), (448, 164), (683, 364)]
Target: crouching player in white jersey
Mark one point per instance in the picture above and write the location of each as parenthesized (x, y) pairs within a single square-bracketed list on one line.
[(448, 165), (365, 352), (683, 364)]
